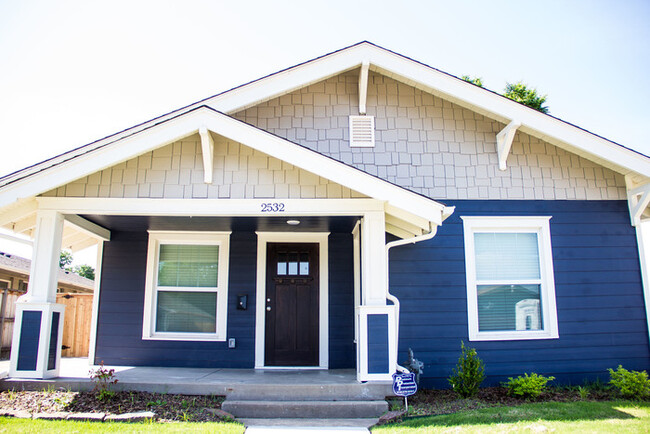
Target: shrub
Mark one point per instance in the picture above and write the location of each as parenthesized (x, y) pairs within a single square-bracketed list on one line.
[(630, 384), (468, 374), (528, 386), (103, 379)]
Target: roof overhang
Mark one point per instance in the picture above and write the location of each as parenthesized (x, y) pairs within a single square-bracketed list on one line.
[(413, 210)]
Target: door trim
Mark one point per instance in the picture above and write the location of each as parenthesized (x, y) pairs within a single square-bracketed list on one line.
[(323, 294)]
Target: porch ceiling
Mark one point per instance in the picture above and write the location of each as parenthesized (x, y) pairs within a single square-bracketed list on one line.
[(268, 224)]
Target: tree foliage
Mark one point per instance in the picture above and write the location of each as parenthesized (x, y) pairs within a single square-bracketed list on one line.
[(476, 80), (65, 259), (523, 94), (84, 270)]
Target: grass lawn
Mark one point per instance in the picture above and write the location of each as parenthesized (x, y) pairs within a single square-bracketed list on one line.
[(583, 416), (11, 425)]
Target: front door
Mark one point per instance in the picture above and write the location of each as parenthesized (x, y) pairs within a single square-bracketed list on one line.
[(291, 304)]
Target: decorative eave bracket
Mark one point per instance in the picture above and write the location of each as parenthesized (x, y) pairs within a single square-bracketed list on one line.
[(363, 86), (504, 142), (638, 198), (207, 146)]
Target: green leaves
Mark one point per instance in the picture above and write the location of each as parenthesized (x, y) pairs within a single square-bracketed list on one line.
[(521, 93), (468, 374)]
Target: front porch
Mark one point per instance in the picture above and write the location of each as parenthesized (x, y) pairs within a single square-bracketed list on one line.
[(74, 374)]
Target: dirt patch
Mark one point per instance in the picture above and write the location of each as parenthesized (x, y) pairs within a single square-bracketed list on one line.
[(167, 408)]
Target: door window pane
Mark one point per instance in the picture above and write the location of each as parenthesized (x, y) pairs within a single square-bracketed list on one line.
[(304, 264), (509, 307), (282, 264), (186, 312), (293, 263)]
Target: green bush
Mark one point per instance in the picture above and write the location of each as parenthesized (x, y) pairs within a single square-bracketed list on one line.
[(528, 386), (468, 374), (630, 384)]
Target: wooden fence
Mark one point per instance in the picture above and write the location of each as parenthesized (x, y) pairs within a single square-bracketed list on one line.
[(76, 323)]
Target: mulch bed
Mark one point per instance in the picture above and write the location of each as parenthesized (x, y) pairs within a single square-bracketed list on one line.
[(432, 402), (167, 408)]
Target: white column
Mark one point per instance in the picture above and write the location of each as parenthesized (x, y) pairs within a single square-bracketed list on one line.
[(643, 241), (373, 258), (38, 327), (43, 275)]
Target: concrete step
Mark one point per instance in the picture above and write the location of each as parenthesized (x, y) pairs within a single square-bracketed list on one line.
[(305, 409), (309, 392), (338, 424)]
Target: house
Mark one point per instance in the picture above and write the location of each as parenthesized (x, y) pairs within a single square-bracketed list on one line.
[(334, 215), (14, 274)]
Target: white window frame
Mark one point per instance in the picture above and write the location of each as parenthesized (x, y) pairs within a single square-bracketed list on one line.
[(156, 238), (520, 224)]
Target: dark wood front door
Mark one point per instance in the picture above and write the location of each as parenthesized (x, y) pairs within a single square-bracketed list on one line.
[(291, 304)]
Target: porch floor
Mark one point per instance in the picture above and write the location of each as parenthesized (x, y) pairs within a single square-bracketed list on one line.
[(239, 383)]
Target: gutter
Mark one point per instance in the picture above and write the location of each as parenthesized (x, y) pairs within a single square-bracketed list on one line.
[(432, 232)]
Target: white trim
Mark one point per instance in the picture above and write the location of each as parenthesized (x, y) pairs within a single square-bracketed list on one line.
[(17, 211), (208, 207), (92, 346), (235, 130), (88, 228), (363, 86), (323, 290), (207, 146), (42, 356), (643, 244), (504, 142), (156, 238), (522, 224), (362, 313), (356, 265)]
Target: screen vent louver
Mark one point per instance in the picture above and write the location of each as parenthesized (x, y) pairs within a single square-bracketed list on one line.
[(362, 131)]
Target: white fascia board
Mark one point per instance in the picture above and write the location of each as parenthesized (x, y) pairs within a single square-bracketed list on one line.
[(17, 211), (238, 131), (207, 207), (505, 110)]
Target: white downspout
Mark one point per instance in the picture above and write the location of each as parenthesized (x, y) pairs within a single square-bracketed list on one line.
[(391, 297)]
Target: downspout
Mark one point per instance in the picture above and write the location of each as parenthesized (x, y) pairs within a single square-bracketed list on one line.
[(432, 232)]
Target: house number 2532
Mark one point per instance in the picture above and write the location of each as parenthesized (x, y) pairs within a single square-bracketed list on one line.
[(272, 207)]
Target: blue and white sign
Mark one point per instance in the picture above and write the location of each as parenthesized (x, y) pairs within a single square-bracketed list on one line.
[(404, 384)]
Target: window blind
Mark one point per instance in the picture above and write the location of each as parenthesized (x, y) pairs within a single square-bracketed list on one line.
[(506, 256), (179, 311), (194, 266)]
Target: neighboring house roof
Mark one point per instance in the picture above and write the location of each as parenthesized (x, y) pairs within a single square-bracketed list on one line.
[(406, 70), (21, 265)]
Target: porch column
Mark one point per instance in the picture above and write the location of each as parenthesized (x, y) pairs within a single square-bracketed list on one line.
[(373, 259), (36, 345), (375, 319)]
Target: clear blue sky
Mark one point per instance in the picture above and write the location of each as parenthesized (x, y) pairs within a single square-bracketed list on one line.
[(74, 71)]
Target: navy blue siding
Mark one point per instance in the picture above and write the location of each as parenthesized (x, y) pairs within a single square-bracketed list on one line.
[(342, 352), (119, 335), (600, 306), (54, 340), (378, 344), (30, 332)]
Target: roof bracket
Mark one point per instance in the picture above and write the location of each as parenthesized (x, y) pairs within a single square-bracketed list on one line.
[(207, 146), (638, 199), (504, 142), (363, 86)]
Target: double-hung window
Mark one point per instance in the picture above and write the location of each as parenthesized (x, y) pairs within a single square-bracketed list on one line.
[(186, 286), (510, 284)]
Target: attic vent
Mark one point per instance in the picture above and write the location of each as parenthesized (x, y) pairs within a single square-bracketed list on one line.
[(362, 131)]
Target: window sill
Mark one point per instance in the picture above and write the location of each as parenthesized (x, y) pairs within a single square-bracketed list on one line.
[(512, 336), (189, 337)]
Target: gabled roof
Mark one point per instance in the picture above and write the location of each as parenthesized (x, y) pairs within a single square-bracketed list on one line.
[(401, 68), (189, 122)]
